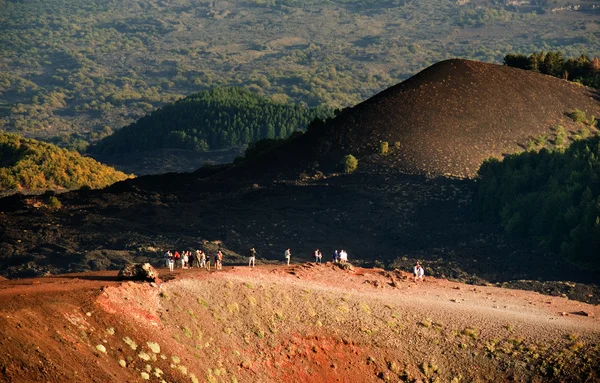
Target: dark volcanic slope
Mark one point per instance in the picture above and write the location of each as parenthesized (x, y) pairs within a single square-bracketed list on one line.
[(449, 118), (455, 114)]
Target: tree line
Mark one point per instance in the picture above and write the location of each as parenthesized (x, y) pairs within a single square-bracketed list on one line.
[(582, 69), (551, 197), (214, 119)]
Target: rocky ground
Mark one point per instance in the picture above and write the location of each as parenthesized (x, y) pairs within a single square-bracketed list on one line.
[(386, 220)]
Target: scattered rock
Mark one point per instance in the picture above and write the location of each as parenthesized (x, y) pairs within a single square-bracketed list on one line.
[(139, 272), (584, 313), (384, 375), (345, 266), (101, 348)]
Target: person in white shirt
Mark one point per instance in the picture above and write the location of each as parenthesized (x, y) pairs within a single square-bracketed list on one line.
[(343, 256), (287, 255), (252, 257), (185, 260), (419, 272)]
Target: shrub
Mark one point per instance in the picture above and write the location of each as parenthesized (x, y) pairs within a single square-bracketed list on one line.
[(578, 115), (530, 145), (350, 163), (54, 203), (561, 135), (542, 140), (384, 147)]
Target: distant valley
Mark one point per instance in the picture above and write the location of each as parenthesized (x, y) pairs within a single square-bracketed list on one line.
[(74, 72)]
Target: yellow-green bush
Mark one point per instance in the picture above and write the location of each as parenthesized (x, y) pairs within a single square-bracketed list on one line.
[(350, 163)]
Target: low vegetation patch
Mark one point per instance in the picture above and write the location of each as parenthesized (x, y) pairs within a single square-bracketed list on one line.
[(34, 165)]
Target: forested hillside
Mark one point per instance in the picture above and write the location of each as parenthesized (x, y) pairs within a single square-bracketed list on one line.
[(209, 120), (29, 164), (551, 197), (73, 71), (582, 69)]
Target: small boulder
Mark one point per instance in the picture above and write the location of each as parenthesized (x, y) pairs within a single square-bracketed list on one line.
[(139, 272), (345, 266)]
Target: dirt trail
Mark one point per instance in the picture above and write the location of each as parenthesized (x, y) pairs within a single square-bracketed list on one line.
[(445, 298)]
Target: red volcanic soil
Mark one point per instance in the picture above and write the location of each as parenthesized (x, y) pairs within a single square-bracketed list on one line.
[(302, 323)]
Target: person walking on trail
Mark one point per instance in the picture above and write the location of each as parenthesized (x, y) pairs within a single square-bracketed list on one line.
[(336, 256), (287, 255), (319, 257), (171, 263), (316, 255), (418, 271), (219, 261), (167, 256), (202, 258), (343, 256), (177, 257), (196, 258), (185, 260), (170, 260), (252, 257)]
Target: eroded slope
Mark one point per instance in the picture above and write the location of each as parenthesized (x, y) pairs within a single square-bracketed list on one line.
[(303, 323)]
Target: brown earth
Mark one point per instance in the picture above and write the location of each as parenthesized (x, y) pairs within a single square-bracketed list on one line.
[(302, 323), (447, 120)]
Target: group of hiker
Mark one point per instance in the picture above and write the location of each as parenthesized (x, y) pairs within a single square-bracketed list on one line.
[(189, 259)]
